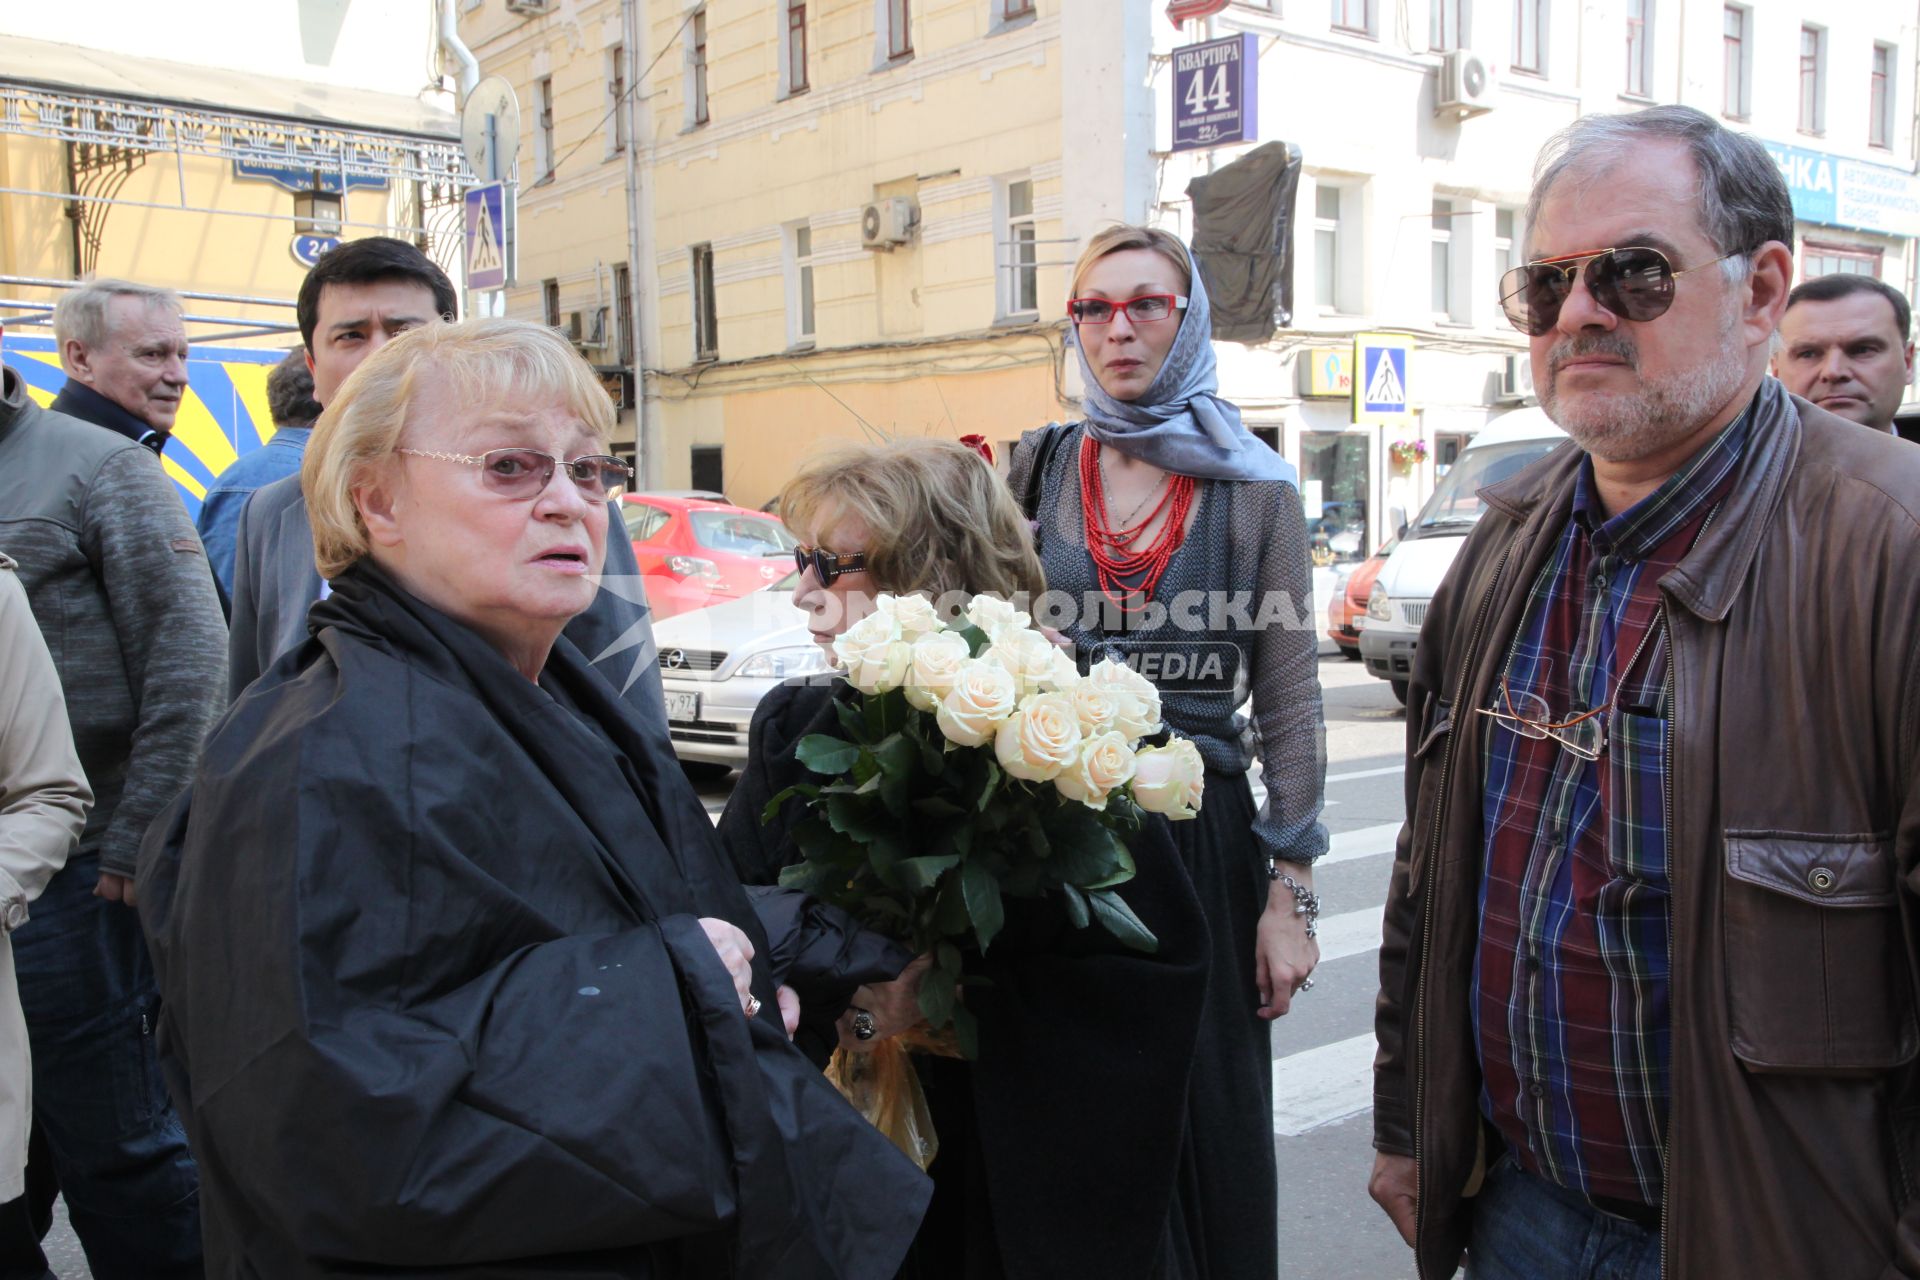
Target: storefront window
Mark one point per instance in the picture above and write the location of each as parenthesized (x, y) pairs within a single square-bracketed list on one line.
[(1333, 483)]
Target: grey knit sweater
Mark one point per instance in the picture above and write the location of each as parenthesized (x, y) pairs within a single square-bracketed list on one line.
[(120, 587)]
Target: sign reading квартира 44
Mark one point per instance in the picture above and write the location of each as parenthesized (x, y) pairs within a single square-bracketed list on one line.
[(1214, 92)]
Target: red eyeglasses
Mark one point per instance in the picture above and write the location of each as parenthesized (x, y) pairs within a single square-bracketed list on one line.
[(1144, 309)]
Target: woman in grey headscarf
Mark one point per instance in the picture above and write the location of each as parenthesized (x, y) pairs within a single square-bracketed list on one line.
[(1180, 540)]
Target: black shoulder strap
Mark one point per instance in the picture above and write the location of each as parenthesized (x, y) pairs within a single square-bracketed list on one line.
[(1042, 455)]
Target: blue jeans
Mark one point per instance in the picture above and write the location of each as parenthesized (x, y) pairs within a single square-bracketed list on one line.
[(100, 1108), (1526, 1228)]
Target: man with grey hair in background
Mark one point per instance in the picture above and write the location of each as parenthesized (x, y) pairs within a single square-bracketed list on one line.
[(1647, 1001), (124, 349)]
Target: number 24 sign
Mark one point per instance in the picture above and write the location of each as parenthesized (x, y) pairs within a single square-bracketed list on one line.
[(1214, 92)]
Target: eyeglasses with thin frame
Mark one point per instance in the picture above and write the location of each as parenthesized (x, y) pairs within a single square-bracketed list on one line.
[(1634, 282), (1584, 735), (828, 565), (1144, 309), (526, 473)]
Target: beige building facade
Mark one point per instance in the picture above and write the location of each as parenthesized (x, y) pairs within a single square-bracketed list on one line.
[(854, 216)]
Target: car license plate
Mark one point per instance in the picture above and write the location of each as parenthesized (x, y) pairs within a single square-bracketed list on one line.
[(683, 706)]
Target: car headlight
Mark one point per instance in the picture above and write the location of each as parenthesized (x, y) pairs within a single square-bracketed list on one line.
[(779, 664), (1379, 608), (692, 567)]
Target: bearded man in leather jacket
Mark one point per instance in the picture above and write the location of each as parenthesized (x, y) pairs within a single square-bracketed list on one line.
[(1647, 998)]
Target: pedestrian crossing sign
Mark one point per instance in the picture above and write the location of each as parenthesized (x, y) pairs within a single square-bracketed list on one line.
[(1380, 392), (489, 225)]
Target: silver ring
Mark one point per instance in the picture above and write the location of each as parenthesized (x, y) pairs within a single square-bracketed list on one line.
[(862, 1025), (1306, 984), (753, 1006)]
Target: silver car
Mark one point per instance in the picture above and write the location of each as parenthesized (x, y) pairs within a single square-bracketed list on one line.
[(717, 663)]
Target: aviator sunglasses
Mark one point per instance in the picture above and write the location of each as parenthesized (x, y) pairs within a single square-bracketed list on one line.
[(1634, 282), (827, 565), (526, 473)]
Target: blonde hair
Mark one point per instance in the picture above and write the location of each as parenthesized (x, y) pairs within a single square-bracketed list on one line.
[(1119, 239), (470, 364), (938, 518)]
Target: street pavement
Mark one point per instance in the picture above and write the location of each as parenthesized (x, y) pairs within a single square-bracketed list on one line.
[(1323, 1050)]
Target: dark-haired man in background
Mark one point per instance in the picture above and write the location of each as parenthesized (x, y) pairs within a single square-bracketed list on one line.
[(1845, 345), (290, 401)]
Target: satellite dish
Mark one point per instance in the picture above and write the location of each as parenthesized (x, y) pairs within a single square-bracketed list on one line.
[(491, 119)]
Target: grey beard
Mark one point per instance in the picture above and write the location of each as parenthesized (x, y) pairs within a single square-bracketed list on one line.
[(1628, 426)]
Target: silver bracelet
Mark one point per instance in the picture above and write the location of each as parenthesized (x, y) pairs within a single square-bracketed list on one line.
[(1305, 901)]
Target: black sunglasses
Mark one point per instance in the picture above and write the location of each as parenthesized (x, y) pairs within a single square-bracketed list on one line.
[(827, 565), (1634, 282)]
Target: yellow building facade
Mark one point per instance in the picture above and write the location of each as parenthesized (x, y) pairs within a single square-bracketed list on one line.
[(851, 217)]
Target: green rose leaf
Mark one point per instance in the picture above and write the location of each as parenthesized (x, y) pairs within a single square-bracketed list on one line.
[(917, 875), (826, 755), (983, 902), (1076, 906), (896, 757), (1117, 918)]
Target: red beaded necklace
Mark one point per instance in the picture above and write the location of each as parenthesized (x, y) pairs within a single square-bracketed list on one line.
[(1115, 558)]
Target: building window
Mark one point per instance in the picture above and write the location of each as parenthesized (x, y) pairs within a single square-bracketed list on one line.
[(1530, 36), (1012, 9), (697, 69), (543, 153), (707, 468), (1639, 48), (550, 302), (1813, 78), (1446, 25), (799, 285), (1507, 247), (1326, 247), (1443, 255), (1018, 249), (623, 308), (796, 46), (1880, 98), (706, 317), (1818, 259), (899, 29), (617, 97), (1354, 15), (1735, 65)]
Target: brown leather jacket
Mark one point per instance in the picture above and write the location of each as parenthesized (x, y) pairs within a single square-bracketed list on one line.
[(1794, 1128)]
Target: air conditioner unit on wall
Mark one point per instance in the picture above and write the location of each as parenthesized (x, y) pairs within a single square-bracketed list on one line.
[(530, 8), (888, 223), (1516, 380), (1465, 87)]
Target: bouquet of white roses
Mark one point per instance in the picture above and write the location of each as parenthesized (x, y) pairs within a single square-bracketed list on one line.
[(979, 764)]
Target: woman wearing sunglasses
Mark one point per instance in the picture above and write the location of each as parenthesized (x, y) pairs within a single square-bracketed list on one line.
[(455, 974), (1061, 1148), (1187, 534)]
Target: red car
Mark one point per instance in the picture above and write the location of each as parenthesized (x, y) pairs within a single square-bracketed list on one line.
[(1350, 603), (695, 551)]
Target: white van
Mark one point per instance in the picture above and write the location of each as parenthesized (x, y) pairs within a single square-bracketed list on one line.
[(1390, 629)]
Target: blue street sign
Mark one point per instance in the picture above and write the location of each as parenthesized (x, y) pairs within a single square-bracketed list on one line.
[(1380, 378), (298, 178), (308, 250), (489, 231), (1215, 95)]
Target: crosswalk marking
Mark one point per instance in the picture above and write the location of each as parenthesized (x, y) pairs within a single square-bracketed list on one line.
[(1366, 773), (1362, 843), (1351, 933), (1318, 1086)]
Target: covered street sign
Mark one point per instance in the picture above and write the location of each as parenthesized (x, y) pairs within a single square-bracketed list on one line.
[(1215, 87), (1380, 378), (489, 237)]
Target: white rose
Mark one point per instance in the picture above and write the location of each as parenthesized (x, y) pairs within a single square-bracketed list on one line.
[(915, 615), (981, 698), (1028, 655), (1105, 762), (1041, 740), (1169, 779), (873, 654), (995, 616), (1065, 674), (1136, 701), (937, 658), (1097, 708)]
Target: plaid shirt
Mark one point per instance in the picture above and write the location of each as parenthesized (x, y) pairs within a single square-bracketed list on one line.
[(1570, 978)]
